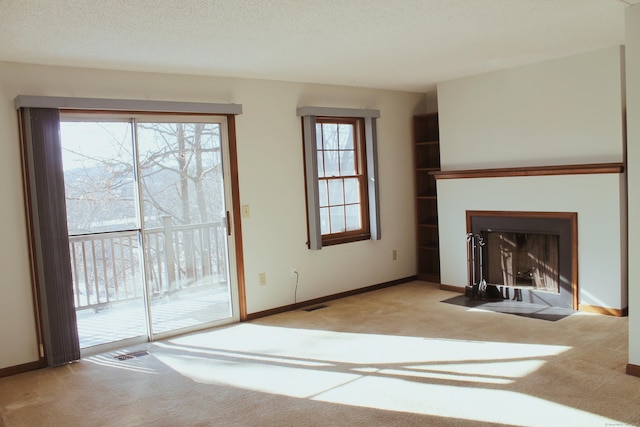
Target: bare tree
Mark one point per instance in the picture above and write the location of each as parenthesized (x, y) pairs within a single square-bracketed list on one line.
[(180, 168)]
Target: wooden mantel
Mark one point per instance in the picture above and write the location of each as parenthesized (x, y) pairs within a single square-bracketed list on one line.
[(596, 168)]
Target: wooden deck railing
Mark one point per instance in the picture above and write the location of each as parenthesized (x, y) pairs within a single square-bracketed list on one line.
[(106, 266)]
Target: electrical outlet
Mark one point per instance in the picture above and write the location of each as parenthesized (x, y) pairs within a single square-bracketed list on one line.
[(394, 255), (262, 279), (294, 271)]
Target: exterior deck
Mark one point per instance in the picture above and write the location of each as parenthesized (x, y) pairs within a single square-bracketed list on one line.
[(186, 275)]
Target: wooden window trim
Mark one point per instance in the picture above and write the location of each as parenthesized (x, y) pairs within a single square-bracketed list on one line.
[(363, 232)]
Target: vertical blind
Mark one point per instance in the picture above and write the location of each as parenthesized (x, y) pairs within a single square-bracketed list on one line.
[(50, 242)]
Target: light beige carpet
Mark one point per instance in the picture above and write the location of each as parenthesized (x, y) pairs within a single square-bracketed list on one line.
[(393, 357)]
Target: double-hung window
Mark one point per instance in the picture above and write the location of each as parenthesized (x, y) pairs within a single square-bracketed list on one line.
[(342, 182), (340, 172)]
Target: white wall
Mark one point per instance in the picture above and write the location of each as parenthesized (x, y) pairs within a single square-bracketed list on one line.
[(565, 111), (271, 183), (633, 161)]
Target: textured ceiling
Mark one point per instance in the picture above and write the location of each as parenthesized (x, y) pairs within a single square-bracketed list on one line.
[(392, 44)]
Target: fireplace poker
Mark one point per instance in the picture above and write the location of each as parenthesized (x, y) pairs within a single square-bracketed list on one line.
[(482, 284)]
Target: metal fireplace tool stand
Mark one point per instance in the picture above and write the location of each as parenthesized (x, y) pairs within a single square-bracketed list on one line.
[(478, 288)]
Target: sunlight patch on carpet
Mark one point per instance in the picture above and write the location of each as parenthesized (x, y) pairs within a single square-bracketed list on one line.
[(480, 404), (357, 350), (428, 376), (267, 378)]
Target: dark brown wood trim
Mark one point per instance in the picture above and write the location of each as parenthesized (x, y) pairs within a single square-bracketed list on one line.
[(452, 288), (19, 369), (571, 216), (563, 215), (604, 310), (237, 215), (596, 168), (364, 232), (432, 278), (320, 300), (633, 370)]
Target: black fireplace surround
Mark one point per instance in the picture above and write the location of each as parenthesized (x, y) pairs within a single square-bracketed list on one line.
[(562, 224)]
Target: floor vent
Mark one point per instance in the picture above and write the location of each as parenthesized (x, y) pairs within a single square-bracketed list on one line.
[(314, 308), (133, 355)]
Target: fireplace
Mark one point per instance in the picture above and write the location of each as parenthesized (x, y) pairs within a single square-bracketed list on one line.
[(528, 255)]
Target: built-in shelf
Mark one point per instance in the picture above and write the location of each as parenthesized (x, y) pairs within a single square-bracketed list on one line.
[(595, 168), (427, 162)]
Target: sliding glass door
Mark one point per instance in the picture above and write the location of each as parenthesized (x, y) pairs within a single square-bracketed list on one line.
[(104, 230), (184, 223), (147, 215)]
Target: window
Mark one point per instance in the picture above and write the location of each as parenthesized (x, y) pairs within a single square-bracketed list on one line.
[(341, 180), (340, 171)]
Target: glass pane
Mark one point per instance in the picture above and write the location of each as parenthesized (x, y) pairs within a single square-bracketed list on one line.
[(345, 133), (185, 235), (181, 172), (331, 165), (105, 259), (330, 136), (322, 192), (347, 163), (353, 217), (98, 176), (336, 195), (337, 219), (319, 136), (324, 221), (321, 173), (351, 190), (107, 287)]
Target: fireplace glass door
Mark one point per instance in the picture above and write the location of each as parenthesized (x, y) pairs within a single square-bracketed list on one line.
[(523, 260)]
